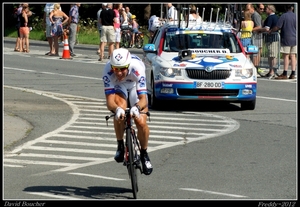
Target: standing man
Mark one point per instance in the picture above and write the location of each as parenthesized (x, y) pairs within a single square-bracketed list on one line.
[(288, 37), (108, 32), (272, 40), (73, 24), (127, 10), (257, 36), (99, 25), (172, 12), (47, 25)]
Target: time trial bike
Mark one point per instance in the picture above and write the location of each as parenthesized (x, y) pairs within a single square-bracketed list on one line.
[(132, 149)]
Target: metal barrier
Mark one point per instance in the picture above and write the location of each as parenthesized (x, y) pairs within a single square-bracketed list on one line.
[(269, 49)]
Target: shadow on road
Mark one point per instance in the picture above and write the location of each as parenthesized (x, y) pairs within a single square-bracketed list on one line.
[(199, 106)]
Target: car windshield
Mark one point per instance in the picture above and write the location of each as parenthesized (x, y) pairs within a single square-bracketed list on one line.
[(176, 42)]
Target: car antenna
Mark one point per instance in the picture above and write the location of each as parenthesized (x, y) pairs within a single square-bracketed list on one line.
[(217, 18), (202, 16), (211, 11), (178, 14), (225, 15)]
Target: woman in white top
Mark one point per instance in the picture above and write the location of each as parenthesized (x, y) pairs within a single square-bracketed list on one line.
[(124, 19), (194, 16)]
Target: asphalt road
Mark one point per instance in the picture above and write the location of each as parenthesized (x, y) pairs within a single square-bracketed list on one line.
[(255, 161)]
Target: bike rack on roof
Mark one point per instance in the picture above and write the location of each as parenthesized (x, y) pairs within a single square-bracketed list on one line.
[(207, 26)]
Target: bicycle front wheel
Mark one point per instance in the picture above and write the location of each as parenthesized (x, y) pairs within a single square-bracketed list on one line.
[(132, 171)]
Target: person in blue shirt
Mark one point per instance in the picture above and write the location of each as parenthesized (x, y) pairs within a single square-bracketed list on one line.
[(288, 40), (73, 26)]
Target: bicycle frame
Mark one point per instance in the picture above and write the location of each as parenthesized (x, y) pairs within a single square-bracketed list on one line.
[(132, 150)]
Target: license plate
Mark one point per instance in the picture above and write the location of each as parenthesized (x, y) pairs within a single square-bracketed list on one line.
[(209, 84)]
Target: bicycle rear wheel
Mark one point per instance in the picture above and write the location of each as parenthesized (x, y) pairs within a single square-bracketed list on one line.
[(139, 41), (124, 40), (132, 171)]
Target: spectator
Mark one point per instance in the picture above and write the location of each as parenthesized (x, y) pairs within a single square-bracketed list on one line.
[(153, 24), (272, 40), (127, 10), (99, 25), (172, 12), (24, 29), (193, 16), (73, 24), (135, 29), (117, 24), (108, 32), (47, 25), (288, 36), (17, 16), (124, 19), (246, 29), (257, 36), (57, 18)]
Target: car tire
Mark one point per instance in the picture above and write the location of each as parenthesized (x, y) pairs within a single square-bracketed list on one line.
[(154, 102)]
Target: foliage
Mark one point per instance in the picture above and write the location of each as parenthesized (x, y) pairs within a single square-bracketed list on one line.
[(88, 13)]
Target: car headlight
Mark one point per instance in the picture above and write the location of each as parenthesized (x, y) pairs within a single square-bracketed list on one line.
[(244, 73), (170, 72)]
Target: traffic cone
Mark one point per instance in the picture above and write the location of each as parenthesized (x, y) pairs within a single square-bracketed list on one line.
[(66, 51)]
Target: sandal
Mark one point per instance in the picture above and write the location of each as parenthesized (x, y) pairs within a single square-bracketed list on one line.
[(51, 54), (47, 53), (27, 51), (17, 50)]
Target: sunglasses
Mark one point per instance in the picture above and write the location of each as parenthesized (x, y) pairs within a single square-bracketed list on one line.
[(116, 68), (262, 9)]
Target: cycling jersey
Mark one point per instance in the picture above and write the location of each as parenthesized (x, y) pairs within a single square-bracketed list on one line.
[(134, 82), (154, 23)]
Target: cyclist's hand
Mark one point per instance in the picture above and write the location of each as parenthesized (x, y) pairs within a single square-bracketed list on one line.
[(135, 112), (120, 113)]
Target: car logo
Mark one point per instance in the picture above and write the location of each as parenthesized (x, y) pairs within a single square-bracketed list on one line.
[(209, 69)]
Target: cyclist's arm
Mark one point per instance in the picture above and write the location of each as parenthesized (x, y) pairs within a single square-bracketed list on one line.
[(143, 101), (111, 103)]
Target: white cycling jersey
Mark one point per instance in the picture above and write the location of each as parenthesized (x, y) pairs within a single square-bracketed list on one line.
[(135, 81), (154, 23)]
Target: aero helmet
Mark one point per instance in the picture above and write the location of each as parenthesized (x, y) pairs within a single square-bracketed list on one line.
[(120, 57)]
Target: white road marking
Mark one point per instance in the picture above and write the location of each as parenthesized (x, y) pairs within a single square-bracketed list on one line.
[(8, 165), (97, 176), (51, 195), (213, 192), (72, 139)]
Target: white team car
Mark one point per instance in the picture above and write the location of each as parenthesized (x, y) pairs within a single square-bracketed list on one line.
[(199, 61)]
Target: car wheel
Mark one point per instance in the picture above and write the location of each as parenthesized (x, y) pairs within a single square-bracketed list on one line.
[(248, 105), (154, 102)]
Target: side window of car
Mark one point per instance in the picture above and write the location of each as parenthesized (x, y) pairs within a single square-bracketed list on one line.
[(154, 36), (156, 39)]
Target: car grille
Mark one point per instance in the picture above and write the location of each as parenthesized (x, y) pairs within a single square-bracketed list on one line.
[(203, 75), (207, 92)]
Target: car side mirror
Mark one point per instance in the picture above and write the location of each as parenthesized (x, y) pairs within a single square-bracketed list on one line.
[(149, 48), (251, 49)]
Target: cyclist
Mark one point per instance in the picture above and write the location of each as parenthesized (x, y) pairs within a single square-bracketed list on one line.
[(126, 72)]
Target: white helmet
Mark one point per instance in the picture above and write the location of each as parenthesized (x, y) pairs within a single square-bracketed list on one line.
[(120, 57)]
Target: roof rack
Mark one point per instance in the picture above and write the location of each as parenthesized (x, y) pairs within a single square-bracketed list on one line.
[(185, 23)]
